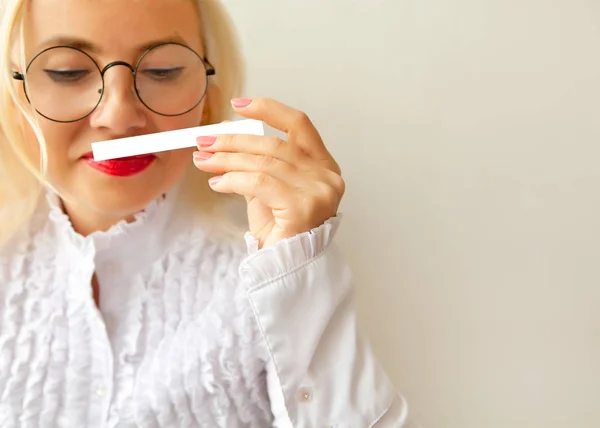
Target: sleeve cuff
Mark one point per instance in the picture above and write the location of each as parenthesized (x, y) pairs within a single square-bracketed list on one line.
[(269, 263)]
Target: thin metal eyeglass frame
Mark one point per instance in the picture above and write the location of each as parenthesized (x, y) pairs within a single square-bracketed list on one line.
[(210, 71)]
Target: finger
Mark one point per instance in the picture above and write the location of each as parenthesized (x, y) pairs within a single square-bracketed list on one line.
[(296, 124), (221, 163), (253, 144), (267, 189), (292, 173)]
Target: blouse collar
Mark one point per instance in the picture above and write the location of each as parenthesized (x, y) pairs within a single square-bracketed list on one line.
[(138, 242)]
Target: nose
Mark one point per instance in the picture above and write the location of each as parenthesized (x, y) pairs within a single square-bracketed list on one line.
[(120, 110)]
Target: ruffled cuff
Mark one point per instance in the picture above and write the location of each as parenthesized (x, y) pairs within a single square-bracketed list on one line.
[(269, 263)]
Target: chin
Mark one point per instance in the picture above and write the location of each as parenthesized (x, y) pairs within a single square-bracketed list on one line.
[(120, 205), (95, 199), (116, 198)]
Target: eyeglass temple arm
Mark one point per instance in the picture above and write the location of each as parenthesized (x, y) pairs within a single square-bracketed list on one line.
[(210, 70), (17, 76)]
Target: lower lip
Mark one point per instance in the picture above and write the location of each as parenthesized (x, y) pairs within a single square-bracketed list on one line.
[(124, 167)]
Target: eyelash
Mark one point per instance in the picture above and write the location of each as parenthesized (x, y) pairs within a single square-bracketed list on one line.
[(66, 76), (164, 73)]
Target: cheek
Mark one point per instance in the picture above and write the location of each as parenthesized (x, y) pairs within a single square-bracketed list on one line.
[(189, 120), (176, 162), (59, 142), (59, 138)]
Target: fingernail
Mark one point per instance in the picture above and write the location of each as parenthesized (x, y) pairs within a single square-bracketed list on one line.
[(205, 141), (202, 156), (215, 180), (241, 102)]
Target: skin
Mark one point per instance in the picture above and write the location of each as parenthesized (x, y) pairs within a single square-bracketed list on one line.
[(116, 29), (290, 186)]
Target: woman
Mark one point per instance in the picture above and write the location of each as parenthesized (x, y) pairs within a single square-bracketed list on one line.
[(124, 300)]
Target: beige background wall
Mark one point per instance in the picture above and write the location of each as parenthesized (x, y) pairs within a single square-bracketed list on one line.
[(469, 136)]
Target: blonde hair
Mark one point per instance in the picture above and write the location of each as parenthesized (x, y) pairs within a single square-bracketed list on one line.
[(22, 182)]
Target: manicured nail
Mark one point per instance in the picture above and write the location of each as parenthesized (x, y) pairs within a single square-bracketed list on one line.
[(215, 180), (241, 102), (205, 141), (202, 156)]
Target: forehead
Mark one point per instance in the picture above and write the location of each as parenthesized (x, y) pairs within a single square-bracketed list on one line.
[(115, 27)]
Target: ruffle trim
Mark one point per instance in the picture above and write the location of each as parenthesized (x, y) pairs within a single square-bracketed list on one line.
[(145, 223), (267, 264)]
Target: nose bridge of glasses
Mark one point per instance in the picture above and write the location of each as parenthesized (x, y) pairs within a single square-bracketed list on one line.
[(115, 64), (112, 65)]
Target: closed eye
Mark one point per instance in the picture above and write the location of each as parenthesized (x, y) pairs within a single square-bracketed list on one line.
[(163, 73), (66, 76)]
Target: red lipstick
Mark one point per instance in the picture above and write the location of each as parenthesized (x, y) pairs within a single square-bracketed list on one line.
[(123, 167)]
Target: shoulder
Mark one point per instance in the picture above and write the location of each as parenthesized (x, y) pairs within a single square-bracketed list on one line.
[(34, 235), (30, 256)]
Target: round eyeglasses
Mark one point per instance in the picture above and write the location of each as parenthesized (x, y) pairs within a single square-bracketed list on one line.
[(65, 84)]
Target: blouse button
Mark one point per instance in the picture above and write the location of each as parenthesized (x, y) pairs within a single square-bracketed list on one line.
[(305, 394), (100, 391)]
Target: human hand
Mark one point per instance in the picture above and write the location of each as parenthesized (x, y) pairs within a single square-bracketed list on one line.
[(290, 186)]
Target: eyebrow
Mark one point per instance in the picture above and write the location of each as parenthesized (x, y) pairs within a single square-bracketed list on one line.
[(86, 45)]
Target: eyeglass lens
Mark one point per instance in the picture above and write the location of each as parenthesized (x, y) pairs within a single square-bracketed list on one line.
[(65, 84)]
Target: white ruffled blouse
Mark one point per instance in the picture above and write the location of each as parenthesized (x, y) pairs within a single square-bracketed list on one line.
[(192, 330)]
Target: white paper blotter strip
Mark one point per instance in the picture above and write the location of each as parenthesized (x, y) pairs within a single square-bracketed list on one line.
[(171, 140)]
